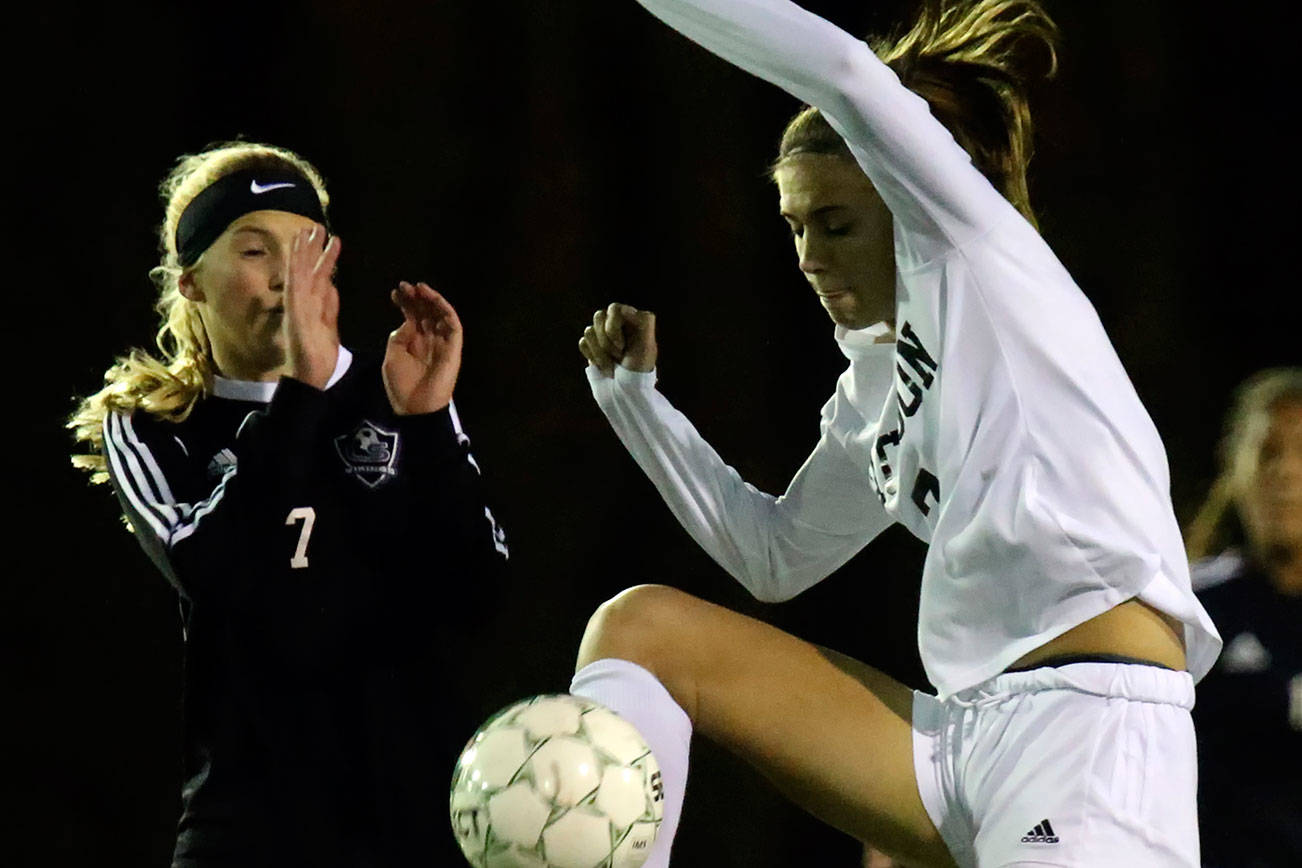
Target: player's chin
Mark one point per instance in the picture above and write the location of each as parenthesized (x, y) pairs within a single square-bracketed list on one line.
[(272, 335), (272, 351), (846, 311)]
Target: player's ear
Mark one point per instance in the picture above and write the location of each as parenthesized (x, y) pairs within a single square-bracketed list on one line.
[(188, 287)]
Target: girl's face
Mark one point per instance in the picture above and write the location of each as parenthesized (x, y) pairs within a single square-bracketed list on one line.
[(239, 286), (1270, 492), (843, 234)]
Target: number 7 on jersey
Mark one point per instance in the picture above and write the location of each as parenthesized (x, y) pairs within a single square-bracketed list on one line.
[(308, 516)]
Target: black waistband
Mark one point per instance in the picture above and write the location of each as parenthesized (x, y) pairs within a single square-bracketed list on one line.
[(1067, 659)]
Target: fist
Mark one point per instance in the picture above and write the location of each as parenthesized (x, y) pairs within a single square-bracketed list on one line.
[(620, 335)]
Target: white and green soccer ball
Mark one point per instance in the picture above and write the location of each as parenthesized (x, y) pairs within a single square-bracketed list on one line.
[(556, 781)]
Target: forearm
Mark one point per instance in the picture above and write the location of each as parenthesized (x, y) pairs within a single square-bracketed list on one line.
[(778, 41), (441, 490), (773, 39), (926, 179), (774, 546)]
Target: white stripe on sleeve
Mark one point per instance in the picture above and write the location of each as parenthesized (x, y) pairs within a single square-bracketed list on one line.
[(204, 507), (135, 486), (462, 438), (160, 482), (146, 488)]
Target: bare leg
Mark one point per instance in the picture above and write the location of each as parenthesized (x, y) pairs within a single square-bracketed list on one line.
[(832, 734)]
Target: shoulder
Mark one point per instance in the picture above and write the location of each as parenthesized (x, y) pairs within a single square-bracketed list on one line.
[(151, 440), (130, 428)]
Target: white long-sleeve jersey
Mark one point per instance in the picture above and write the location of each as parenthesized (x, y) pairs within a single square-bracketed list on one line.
[(999, 427)]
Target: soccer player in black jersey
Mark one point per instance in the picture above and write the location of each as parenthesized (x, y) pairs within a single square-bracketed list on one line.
[(1246, 543), (317, 513)]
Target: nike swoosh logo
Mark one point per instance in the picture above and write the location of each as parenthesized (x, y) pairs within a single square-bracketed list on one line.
[(258, 189)]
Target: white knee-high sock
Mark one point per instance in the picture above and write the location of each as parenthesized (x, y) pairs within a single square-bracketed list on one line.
[(638, 696)]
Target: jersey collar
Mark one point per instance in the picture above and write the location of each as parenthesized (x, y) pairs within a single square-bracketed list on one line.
[(250, 390), (855, 343)]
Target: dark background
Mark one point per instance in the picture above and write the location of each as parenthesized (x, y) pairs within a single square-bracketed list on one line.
[(536, 160)]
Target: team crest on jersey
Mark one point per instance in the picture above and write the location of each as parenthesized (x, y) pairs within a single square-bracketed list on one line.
[(369, 453)]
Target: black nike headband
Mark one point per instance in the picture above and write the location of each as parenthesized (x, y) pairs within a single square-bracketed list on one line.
[(232, 196)]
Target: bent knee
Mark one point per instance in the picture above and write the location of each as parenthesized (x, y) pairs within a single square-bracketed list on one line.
[(637, 624), (642, 603)]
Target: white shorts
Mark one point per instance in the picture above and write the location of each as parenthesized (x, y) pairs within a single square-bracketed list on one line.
[(1085, 764)]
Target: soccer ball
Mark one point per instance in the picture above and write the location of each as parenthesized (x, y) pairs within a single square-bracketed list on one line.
[(556, 781)]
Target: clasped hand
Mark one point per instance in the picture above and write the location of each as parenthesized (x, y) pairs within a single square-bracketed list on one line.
[(620, 334), (423, 355), (311, 321)]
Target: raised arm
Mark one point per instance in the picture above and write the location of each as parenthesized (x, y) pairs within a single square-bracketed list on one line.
[(442, 499), (924, 176), (775, 546)]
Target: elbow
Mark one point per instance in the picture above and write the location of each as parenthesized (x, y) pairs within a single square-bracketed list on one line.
[(788, 571), (773, 573), (849, 89), (771, 585), (770, 593), (846, 78)]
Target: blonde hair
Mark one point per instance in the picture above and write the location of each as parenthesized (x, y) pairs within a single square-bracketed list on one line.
[(170, 384), (973, 62), (1217, 526)]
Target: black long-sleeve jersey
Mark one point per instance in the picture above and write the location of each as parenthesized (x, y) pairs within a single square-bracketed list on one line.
[(1249, 720), (325, 551)]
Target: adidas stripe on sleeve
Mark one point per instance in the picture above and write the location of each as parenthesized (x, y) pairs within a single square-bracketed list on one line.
[(153, 509)]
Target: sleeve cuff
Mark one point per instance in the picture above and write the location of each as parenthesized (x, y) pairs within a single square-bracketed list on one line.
[(296, 409), (429, 426), (295, 395), (624, 378), (428, 438)]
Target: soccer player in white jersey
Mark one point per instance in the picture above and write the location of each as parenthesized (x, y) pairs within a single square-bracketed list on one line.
[(984, 409)]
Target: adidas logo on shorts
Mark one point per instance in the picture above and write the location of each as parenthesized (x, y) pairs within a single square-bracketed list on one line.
[(1042, 834)]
